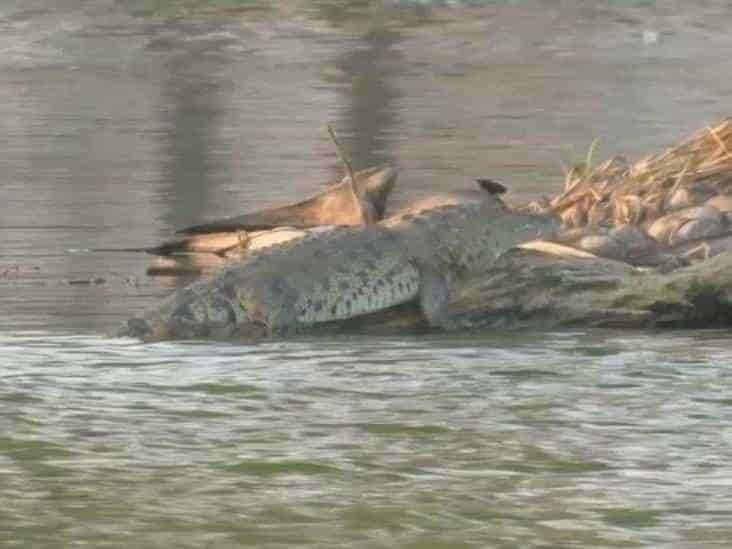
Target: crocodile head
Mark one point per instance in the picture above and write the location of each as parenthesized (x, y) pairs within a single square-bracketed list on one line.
[(196, 312)]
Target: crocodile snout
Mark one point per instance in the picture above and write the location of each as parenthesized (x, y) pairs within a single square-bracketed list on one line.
[(208, 316), (138, 328), (145, 329)]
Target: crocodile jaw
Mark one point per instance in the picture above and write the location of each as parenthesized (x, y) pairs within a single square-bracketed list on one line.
[(151, 330)]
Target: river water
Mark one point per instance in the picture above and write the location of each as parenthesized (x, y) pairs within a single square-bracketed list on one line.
[(123, 120)]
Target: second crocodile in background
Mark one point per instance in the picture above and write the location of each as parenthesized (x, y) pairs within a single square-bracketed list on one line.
[(347, 272)]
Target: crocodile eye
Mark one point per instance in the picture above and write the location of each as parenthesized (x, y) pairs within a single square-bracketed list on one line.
[(184, 324), (185, 313), (140, 328), (220, 311), (202, 317)]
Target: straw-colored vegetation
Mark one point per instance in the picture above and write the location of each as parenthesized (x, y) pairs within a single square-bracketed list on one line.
[(676, 205), (616, 193)]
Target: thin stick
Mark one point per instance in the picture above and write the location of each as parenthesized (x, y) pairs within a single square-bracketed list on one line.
[(344, 158), (680, 177), (354, 188), (719, 141)]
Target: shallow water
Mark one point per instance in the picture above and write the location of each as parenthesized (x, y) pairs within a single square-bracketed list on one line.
[(123, 120)]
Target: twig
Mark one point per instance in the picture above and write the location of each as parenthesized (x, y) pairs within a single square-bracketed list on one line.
[(343, 157), (681, 176), (719, 141), (354, 188)]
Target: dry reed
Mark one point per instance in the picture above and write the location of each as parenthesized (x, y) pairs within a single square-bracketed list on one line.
[(617, 193)]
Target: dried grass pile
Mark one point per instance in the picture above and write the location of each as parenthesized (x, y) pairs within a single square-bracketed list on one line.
[(616, 193), (661, 205)]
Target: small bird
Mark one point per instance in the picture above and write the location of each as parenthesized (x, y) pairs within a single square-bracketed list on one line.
[(491, 186)]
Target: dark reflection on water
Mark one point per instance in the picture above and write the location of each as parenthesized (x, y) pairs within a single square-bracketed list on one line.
[(124, 120), (366, 75), (190, 94)]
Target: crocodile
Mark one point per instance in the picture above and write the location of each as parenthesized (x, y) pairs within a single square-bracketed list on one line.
[(419, 254)]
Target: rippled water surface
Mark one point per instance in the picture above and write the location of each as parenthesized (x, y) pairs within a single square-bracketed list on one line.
[(123, 120), (552, 439)]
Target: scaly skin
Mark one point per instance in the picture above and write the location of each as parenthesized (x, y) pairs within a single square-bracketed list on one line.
[(347, 272)]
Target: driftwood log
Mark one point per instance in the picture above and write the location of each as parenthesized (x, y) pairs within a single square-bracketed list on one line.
[(528, 288)]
